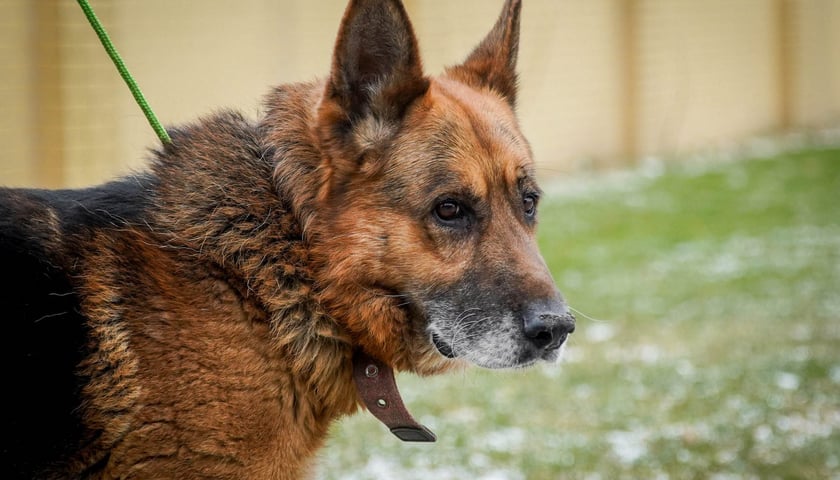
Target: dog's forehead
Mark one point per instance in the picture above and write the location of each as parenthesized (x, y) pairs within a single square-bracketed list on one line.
[(474, 131), (482, 113)]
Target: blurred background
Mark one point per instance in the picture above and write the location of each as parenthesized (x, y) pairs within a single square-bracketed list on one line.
[(604, 83), (690, 153)]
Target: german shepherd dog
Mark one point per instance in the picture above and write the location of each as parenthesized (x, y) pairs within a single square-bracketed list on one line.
[(200, 319)]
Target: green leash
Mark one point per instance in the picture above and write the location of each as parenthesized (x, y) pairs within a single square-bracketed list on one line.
[(124, 73)]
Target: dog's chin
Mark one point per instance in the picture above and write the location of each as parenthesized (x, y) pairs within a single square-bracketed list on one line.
[(553, 355), (526, 357)]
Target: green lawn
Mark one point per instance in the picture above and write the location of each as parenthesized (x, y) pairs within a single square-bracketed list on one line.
[(708, 345)]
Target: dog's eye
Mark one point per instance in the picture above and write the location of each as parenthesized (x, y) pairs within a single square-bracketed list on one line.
[(529, 202), (448, 210)]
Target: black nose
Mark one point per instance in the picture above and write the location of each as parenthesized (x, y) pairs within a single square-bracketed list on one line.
[(547, 330)]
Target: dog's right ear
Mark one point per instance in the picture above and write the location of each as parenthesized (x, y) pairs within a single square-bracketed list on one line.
[(376, 73)]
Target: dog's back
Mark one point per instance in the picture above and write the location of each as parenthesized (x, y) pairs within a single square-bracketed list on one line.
[(122, 327), (45, 332)]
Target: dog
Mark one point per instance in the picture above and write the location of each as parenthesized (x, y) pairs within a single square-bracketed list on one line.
[(200, 319)]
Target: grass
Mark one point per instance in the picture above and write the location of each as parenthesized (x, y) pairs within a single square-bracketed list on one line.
[(708, 346)]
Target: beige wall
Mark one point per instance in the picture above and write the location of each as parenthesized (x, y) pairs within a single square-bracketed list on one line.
[(206, 55), (816, 61), (602, 81), (708, 72), (16, 156)]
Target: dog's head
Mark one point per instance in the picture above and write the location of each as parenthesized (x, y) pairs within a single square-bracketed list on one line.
[(427, 208)]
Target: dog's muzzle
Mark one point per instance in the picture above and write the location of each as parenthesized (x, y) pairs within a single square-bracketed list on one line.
[(535, 332)]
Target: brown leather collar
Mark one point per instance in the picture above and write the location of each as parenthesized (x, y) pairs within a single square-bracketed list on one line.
[(378, 389)]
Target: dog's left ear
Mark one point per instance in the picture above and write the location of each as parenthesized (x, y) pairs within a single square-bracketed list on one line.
[(493, 63), (376, 72)]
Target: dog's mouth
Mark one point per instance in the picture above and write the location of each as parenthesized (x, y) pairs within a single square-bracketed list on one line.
[(411, 311), (444, 348)]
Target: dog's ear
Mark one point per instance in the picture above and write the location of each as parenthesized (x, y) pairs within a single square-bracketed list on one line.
[(376, 72), (493, 63)]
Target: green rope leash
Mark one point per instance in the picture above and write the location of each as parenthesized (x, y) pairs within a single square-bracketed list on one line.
[(124, 73)]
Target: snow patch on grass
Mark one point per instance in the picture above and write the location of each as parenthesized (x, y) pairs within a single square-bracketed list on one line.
[(629, 445)]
